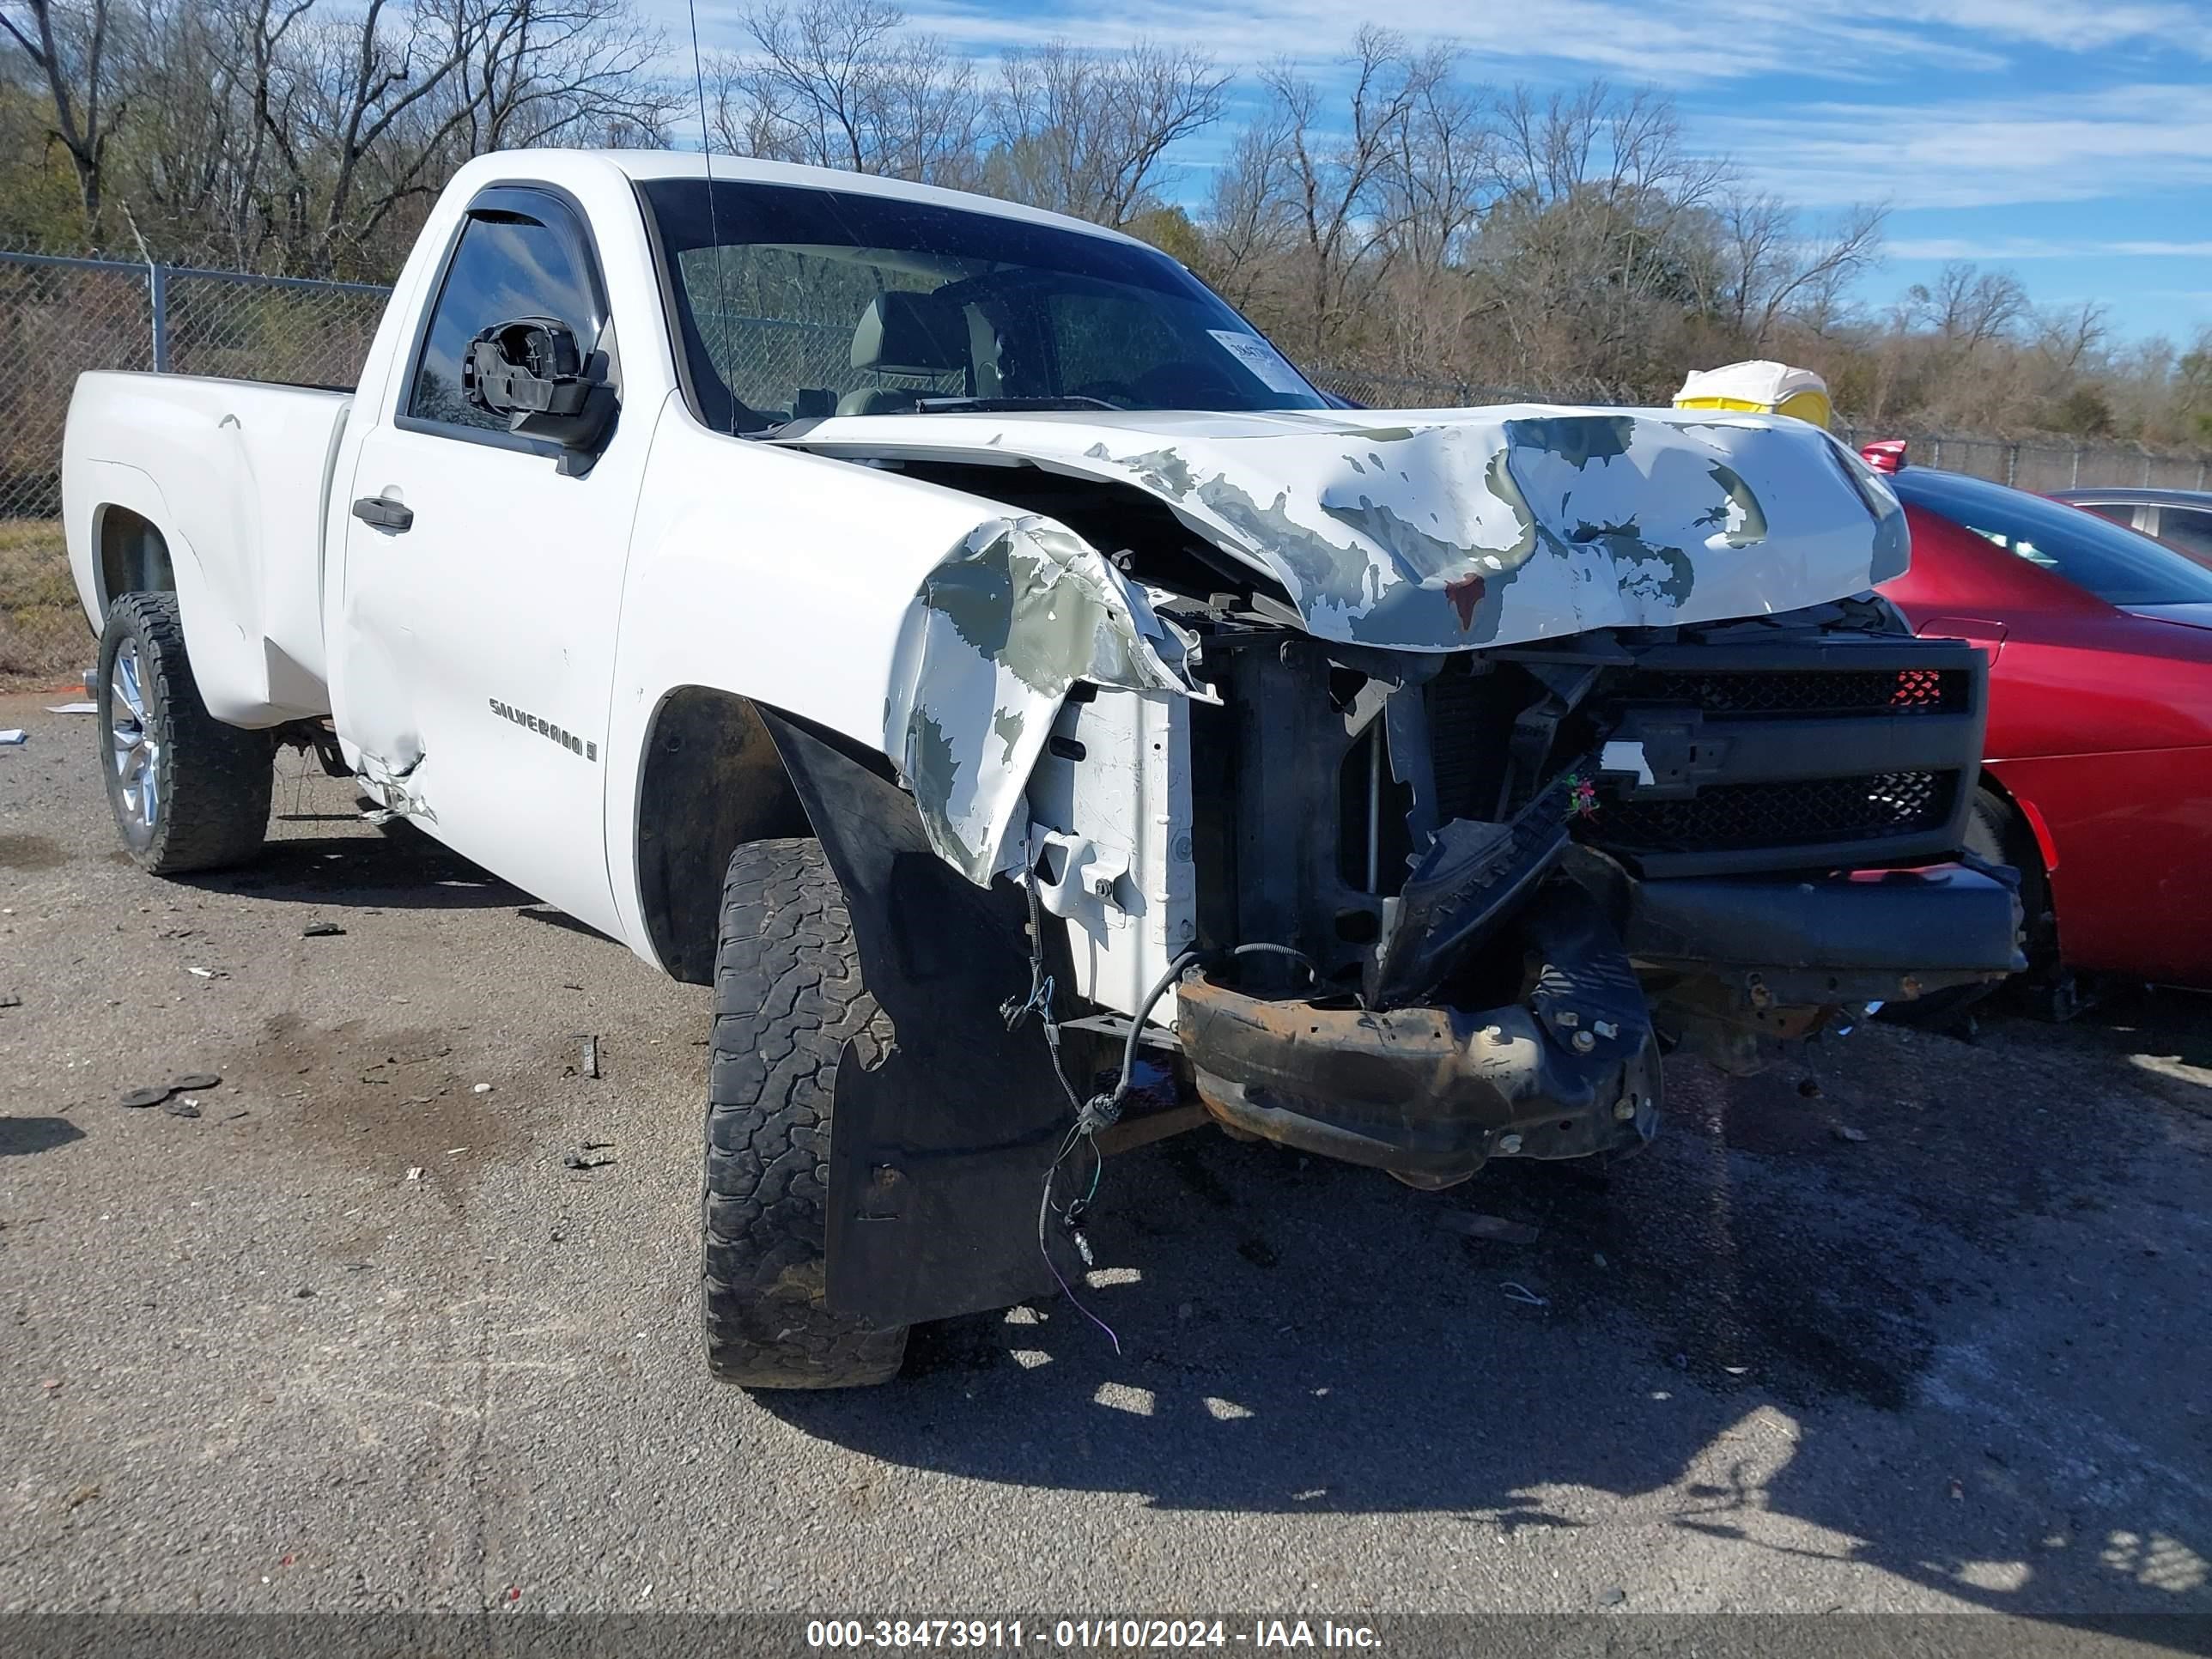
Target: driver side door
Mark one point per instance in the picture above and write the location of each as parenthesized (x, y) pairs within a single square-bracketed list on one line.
[(483, 574)]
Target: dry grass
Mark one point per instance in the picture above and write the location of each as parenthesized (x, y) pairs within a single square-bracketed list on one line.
[(43, 639)]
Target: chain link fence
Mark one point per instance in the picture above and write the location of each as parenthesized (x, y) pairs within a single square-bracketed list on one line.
[(61, 317)]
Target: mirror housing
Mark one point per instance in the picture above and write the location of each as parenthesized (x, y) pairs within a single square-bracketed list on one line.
[(530, 370)]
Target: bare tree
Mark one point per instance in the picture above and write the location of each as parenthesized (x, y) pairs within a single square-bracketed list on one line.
[(1250, 227), (1767, 262), (2067, 338), (68, 46), (846, 83), (1335, 172), (1087, 132), (1968, 307), (1591, 250)]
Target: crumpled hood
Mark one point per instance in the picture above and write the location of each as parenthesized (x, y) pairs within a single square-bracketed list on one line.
[(1439, 530)]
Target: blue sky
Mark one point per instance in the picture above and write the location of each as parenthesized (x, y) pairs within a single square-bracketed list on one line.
[(2069, 141)]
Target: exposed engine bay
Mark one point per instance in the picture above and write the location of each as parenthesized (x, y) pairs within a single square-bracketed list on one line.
[(1420, 904)]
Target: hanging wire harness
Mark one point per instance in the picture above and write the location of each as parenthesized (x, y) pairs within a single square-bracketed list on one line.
[(1101, 1110)]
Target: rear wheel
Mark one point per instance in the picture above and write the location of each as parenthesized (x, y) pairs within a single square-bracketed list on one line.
[(189, 792)]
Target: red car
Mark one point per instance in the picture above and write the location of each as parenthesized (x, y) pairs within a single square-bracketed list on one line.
[(2098, 782)]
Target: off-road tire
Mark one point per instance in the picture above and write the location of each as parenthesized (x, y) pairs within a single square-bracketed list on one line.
[(213, 780), (788, 999)]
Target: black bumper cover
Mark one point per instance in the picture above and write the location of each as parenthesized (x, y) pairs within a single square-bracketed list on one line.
[(1572, 1070)]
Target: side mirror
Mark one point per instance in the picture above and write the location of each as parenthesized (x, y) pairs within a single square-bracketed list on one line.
[(530, 370)]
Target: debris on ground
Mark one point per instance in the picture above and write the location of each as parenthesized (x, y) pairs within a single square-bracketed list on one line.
[(1809, 1087), (13, 735), (1472, 1223), (74, 708), (1844, 1132), (1611, 1597), (303, 1292), (10, 1000), (481, 1089), (1516, 1292), (181, 1106), (138, 1097), (82, 1496), (578, 1161), (207, 973), (415, 1173), (598, 1146), (193, 1082), (321, 930), (591, 1053)]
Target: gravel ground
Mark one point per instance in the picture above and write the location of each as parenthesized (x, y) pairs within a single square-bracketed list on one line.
[(355, 1338)]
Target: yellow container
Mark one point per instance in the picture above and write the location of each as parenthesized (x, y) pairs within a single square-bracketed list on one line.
[(1759, 388)]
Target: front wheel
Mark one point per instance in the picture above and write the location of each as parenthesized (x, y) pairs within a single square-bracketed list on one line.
[(1995, 834), (788, 1000), (188, 791)]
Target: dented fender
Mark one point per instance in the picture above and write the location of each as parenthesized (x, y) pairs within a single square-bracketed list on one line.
[(925, 624), (1015, 615)]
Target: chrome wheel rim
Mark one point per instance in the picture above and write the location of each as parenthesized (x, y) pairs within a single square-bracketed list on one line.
[(137, 755)]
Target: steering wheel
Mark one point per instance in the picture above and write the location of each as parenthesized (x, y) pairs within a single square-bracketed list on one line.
[(1114, 392)]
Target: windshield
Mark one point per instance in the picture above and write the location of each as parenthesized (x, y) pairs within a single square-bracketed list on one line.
[(2117, 565), (795, 303)]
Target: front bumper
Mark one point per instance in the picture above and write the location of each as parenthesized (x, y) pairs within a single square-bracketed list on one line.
[(1572, 1069)]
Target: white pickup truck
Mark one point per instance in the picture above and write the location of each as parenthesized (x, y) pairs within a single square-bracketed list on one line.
[(952, 633)]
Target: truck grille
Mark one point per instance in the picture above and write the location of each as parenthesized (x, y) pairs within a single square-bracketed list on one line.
[(1806, 812), (1831, 692)]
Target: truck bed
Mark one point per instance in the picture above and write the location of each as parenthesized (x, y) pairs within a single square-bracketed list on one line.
[(238, 472)]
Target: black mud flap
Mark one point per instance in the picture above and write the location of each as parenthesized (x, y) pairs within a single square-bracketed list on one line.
[(938, 1154)]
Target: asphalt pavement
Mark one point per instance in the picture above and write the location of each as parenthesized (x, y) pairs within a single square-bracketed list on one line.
[(1919, 1323)]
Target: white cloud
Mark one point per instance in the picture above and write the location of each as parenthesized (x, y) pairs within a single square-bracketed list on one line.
[(1675, 43), (1929, 108), (2058, 146), (2004, 249)]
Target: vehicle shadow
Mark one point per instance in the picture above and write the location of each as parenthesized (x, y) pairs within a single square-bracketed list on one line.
[(2165, 1034), (20, 1137), (407, 870), (1812, 1342)]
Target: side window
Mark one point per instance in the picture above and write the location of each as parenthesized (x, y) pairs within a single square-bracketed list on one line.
[(2122, 514), (505, 266), (2187, 530)]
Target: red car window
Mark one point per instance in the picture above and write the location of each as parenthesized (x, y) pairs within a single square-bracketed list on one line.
[(2186, 530), (2117, 566)]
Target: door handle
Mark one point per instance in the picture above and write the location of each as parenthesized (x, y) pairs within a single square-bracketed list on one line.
[(384, 512)]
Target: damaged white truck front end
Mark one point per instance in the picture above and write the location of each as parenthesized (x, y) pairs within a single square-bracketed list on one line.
[(957, 636), (1420, 778)]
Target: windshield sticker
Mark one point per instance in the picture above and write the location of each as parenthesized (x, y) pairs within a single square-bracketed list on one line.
[(1267, 365)]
